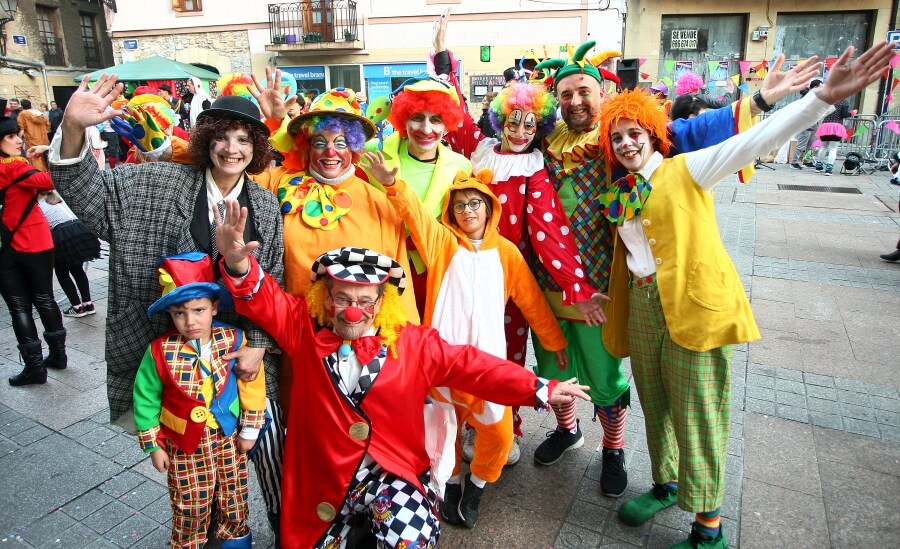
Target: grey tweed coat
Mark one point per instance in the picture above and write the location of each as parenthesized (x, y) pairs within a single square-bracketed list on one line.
[(145, 212)]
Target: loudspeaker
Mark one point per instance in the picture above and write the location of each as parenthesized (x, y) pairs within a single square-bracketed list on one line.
[(627, 71)]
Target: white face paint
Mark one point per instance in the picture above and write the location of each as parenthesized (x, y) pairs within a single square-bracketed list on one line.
[(329, 154), (631, 144), (424, 131), (518, 131), (230, 153)]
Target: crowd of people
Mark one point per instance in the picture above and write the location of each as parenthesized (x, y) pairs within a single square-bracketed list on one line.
[(375, 295)]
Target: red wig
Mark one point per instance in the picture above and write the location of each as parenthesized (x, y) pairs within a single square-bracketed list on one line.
[(409, 102), (643, 109)]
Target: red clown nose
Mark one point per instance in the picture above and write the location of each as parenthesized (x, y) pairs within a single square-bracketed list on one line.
[(353, 314)]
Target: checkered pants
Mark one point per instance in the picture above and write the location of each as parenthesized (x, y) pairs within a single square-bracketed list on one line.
[(686, 398), (400, 514), (216, 470)]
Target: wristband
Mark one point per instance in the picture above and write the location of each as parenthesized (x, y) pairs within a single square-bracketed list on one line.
[(761, 103)]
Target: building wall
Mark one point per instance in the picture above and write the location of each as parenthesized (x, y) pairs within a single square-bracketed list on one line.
[(644, 26)]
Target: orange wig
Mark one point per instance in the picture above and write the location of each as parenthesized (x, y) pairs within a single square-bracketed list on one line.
[(409, 102), (643, 109)]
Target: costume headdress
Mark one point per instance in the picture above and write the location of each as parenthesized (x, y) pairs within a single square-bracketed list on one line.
[(689, 83), (359, 266), (184, 277), (422, 93), (576, 64), (643, 109), (340, 103), (237, 84), (236, 108)]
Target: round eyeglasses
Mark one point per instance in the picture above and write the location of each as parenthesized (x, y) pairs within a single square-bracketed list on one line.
[(474, 205)]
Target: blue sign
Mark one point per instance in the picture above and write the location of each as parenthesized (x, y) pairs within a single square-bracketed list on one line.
[(19, 39), (894, 37), (379, 87), (130, 44), (314, 72), (396, 70)]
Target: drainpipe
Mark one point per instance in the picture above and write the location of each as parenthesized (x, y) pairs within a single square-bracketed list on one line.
[(39, 66), (884, 86)]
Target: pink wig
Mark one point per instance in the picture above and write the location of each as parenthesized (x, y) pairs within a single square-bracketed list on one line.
[(689, 83)]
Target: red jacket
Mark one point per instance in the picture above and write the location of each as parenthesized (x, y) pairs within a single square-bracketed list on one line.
[(328, 437), (34, 233)]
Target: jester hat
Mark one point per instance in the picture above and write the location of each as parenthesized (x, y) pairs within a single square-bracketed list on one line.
[(577, 64), (184, 277)]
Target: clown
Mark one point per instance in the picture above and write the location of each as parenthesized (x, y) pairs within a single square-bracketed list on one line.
[(678, 305), (422, 111), (357, 424), (522, 114)]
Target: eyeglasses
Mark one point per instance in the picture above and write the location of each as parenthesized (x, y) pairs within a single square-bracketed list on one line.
[(474, 205), (343, 302)]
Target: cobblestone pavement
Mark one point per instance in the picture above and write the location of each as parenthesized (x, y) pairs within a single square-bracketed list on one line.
[(814, 453)]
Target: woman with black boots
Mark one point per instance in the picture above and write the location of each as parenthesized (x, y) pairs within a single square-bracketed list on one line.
[(26, 260)]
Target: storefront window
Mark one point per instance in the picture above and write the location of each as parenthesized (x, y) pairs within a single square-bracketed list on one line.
[(345, 76), (709, 46)]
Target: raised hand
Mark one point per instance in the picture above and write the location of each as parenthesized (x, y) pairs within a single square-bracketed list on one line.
[(440, 31), (846, 78), (375, 165), (566, 391), (271, 104), (87, 107), (778, 84), (230, 237)]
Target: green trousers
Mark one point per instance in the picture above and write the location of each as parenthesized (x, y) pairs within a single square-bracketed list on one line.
[(686, 399), (589, 361)]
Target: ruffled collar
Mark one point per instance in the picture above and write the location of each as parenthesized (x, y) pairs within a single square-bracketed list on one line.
[(505, 165), (320, 206)]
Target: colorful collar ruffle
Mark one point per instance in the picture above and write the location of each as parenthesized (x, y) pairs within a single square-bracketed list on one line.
[(320, 206), (625, 198)]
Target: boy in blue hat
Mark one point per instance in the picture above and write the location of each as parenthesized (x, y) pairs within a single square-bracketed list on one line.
[(188, 405)]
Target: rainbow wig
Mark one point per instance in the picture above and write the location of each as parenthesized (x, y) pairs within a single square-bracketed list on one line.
[(689, 83), (297, 159), (526, 97), (639, 106), (237, 83), (409, 102), (389, 320)]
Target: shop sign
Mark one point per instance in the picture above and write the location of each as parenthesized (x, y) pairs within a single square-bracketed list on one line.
[(684, 39)]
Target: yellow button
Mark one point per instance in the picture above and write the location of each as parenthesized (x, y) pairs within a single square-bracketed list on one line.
[(658, 261), (646, 222), (652, 242), (359, 431), (199, 414), (325, 511)]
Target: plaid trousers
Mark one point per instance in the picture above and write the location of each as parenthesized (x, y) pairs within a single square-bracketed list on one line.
[(216, 470), (686, 398)]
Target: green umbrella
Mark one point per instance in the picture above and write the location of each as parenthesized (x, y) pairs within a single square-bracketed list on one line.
[(153, 68)]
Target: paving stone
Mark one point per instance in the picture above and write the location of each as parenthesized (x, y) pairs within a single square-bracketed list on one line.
[(96, 437), (772, 516), (116, 445), (130, 531), (889, 404), (780, 453), (47, 528), (854, 496), (17, 426), (108, 517), (817, 391), (143, 495), (882, 391), (756, 380), (818, 380), (821, 419), (857, 412), (890, 433), (819, 405), (159, 510), (160, 538), (794, 413), (664, 537), (884, 417), (790, 399), (76, 536), (122, 483), (784, 385), (791, 375), (760, 406), (86, 504), (861, 427), (759, 369), (760, 393), (849, 384), (78, 429)]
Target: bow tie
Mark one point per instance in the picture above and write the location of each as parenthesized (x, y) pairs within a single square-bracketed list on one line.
[(366, 347), (625, 198)]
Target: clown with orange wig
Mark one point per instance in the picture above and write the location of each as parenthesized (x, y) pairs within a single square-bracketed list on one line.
[(677, 301), (522, 114)]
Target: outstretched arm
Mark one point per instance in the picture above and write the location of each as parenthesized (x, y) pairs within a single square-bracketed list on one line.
[(87, 107)]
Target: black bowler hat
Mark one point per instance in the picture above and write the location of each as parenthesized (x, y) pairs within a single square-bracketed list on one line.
[(235, 108)]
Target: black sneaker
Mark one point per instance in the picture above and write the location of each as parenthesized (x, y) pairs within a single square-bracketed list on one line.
[(449, 511), (614, 478), (89, 308), (559, 441), (796, 166), (75, 311), (468, 506)]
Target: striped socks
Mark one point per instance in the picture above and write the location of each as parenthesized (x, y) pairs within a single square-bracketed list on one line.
[(612, 418), (709, 523), (565, 417)]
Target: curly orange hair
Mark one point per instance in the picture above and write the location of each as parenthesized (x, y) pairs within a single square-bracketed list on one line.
[(642, 108), (389, 320), (408, 103)]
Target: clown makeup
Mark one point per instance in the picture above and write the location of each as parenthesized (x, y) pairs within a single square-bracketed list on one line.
[(579, 97), (230, 153), (631, 144), (518, 131), (425, 130), (352, 322), (330, 155)]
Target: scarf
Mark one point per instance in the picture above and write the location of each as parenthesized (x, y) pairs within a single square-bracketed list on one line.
[(320, 206)]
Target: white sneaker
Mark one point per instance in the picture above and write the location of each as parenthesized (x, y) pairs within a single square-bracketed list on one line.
[(514, 453), (468, 444)]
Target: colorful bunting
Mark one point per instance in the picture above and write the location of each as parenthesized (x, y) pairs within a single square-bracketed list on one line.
[(860, 130), (896, 81), (641, 61), (645, 76), (895, 60), (670, 65), (829, 62), (712, 65), (736, 79), (745, 66), (892, 125), (744, 88), (761, 72)]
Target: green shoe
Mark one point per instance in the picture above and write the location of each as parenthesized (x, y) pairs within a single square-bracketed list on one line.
[(642, 508), (696, 540)]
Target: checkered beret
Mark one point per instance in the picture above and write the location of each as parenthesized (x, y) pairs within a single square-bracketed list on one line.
[(360, 266)]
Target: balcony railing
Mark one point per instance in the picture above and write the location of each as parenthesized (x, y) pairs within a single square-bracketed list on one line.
[(313, 21)]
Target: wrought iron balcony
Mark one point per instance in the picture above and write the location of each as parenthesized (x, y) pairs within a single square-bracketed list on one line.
[(319, 23)]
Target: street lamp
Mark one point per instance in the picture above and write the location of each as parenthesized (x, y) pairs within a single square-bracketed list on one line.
[(9, 7)]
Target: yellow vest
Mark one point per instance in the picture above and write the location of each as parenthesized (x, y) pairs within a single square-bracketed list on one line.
[(702, 297)]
